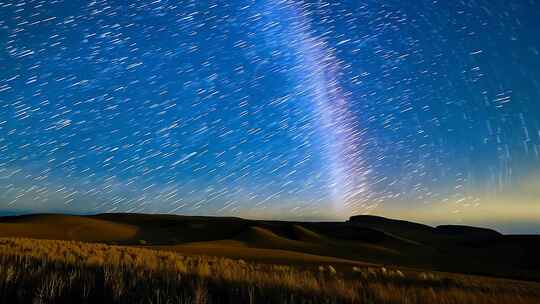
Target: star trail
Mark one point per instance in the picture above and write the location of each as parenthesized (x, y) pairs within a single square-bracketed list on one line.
[(271, 108)]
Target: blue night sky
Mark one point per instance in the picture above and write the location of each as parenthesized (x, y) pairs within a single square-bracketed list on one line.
[(424, 110)]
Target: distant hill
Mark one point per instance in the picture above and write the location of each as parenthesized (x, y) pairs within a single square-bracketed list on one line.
[(361, 239)]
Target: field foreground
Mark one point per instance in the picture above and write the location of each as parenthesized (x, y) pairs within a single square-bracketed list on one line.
[(46, 271)]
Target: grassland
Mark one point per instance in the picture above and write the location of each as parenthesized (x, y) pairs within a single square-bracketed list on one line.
[(50, 271), (362, 240)]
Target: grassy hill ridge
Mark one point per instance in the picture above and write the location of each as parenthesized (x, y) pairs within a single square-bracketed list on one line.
[(364, 239)]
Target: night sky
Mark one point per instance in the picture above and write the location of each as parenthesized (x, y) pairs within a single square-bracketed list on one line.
[(424, 110)]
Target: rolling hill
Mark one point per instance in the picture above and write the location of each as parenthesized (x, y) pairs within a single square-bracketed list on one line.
[(360, 240)]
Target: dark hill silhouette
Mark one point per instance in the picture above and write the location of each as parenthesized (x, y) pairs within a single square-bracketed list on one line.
[(467, 231), (362, 239)]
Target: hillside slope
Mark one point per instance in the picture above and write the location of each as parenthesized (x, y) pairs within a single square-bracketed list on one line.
[(365, 239)]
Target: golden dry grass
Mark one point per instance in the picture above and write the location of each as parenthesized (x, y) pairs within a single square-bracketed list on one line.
[(367, 240), (39, 271)]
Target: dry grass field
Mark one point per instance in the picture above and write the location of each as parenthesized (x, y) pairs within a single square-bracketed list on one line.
[(140, 258), (363, 239), (49, 271)]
